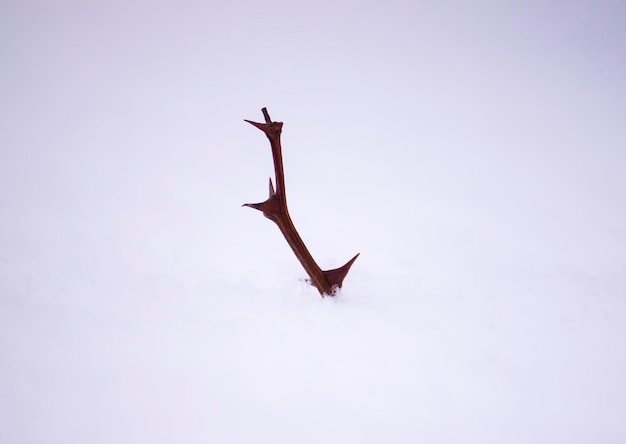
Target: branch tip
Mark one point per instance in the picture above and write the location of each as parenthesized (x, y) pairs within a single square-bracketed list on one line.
[(266, 115)]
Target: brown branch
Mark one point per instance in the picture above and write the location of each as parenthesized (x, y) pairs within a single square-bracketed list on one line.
[(275, 208)]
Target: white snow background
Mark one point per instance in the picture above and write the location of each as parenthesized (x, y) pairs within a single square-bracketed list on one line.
[(472, 152)]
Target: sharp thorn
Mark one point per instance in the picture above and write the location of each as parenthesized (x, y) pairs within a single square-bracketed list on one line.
[(256, 206), (270, 208), (272, 191), (336, 276), (261, 126)]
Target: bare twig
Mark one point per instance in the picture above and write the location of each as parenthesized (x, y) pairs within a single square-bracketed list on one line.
[(275, 208)]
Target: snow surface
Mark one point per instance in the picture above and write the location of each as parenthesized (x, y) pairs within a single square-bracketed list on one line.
[(473, 154)]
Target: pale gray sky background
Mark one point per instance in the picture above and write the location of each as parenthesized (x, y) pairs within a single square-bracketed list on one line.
[(514, 105)]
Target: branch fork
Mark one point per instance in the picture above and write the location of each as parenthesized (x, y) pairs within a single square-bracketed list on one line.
[(327, 282)]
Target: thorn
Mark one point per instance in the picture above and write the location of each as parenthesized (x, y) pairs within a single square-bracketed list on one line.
[(336, 276), (272, 192), (271, 129), (256, 206), (270, 208), (261, 126)]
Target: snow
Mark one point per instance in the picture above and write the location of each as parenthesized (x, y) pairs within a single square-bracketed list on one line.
[(481, 179)]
